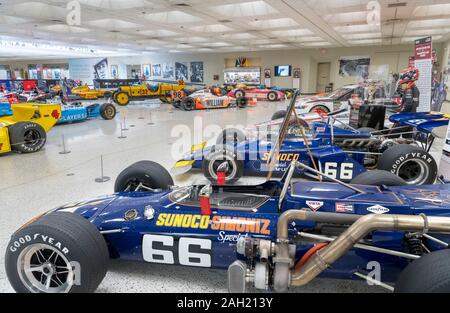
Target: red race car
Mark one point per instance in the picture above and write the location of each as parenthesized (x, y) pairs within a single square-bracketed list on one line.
[(260, 94)]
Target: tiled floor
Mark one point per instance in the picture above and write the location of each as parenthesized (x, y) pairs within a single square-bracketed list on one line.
[(31, 184)]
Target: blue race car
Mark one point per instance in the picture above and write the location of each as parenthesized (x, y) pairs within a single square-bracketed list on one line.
[(276, 235), (77, 112), (338, 151)]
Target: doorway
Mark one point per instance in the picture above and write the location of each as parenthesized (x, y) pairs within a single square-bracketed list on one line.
[(323, 76)]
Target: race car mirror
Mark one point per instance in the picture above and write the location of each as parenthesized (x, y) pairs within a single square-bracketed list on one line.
[(205, 204), (273, 156), (221, 173)]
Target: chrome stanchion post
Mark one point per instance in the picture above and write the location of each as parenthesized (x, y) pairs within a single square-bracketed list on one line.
[(102, 178), (65, 151)]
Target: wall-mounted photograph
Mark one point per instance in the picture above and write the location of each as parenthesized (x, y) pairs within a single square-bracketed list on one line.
[(354, 67), (181, 71), (167, 71), (197, 72), (156, 70)]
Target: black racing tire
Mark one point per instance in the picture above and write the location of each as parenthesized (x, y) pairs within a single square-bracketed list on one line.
[(122, 98), (66, 235), (429, 274), (114, 95), (239, 93), (177, 104), (231, 136), (294, 129), (242, 102), (413, 164), (272, 96), (278, 115), (108, 111), (320, 108), (27, 137), (188, 104), (218, 155), (378, 178), (150, 174)]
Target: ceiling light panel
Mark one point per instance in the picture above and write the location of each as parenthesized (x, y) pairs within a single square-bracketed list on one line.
[(254, 8), (158, 33), (432, 10), (429, 23), (65, 29), (37, 10), (362, 36), (113, 24), (317, 44), (348, 17), (115, 4), (358, 28), (216, 28), (292, 33), (274, 23), (10, 20), (239, 36), (172, 17)]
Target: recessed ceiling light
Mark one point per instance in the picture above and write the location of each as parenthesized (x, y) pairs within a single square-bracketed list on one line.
[(181, 5), (225, 21)]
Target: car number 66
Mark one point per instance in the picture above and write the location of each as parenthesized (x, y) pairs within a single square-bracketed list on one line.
[(346, 170), (185, 251)]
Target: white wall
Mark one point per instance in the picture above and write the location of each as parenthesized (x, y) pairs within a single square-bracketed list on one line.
[(395, 57)]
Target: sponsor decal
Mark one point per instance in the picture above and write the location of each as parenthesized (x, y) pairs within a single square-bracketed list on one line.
[(320, 129), (342, 207), (314, 205), (285, 157), (378, 209), (24, 240), (55, 114), (224, 237), (220, 223)]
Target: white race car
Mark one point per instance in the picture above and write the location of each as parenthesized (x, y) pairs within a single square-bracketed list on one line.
[(334, 101)]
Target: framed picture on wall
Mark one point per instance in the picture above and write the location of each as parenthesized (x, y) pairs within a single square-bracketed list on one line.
[(146, 70), (156, 70), (114, 71), (267, 73), (297, 73), (181, 71)]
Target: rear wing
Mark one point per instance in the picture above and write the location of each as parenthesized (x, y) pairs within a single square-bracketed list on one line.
[(423, 122)]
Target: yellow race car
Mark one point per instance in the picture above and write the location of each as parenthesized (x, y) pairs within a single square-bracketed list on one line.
[(87, 93), (161, 91), (24, 126)]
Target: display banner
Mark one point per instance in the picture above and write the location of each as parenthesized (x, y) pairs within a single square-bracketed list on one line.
[(444, 168), (424, 63), (86, 69)]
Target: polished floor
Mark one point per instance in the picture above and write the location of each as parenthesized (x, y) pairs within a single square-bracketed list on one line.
[(32, 184)]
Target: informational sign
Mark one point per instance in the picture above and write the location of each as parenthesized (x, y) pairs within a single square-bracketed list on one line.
[(424, 63), (268, 77), (296, 81), (84, 69), (444, 168)]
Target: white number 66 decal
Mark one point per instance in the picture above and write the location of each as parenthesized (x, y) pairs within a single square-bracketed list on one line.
[(169, 251)]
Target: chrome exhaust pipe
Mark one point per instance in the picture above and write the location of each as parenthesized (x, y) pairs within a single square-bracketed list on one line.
[(360, 228)]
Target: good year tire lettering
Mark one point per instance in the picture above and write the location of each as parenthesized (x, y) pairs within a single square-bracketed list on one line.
[(37, 237)]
